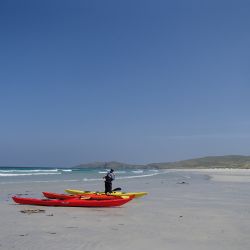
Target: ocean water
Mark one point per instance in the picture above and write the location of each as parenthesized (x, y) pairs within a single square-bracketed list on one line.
[(42, 174)]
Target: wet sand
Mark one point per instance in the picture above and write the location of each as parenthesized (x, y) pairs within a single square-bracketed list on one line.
[(206, 209)]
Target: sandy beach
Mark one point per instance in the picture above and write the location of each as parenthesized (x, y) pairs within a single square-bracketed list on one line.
[(203, 210)]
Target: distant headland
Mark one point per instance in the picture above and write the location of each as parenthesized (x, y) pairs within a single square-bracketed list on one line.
[(227, 161)]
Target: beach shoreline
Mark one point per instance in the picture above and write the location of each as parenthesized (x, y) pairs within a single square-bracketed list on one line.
[(194, 209)]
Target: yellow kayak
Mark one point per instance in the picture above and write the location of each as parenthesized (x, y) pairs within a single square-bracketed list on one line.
[(116, 193)]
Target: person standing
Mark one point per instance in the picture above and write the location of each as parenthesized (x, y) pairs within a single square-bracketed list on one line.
[(109, 177)]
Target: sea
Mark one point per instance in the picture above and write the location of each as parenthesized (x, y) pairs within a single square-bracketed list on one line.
[(45, 174)]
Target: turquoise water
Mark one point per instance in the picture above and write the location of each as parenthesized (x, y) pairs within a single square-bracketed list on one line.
[(42, 174)]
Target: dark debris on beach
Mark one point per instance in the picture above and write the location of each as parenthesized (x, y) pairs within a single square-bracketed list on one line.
[(31, 211)]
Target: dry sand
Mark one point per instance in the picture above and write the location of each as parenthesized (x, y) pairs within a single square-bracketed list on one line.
[(191, 210)]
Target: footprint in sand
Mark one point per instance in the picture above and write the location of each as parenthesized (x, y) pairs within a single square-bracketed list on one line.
[(23, 234)]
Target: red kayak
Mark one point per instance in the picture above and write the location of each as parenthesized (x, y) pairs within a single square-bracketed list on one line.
[(74, 202), (90, 196)]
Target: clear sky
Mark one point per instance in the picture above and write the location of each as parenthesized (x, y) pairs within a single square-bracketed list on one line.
[(135, 81)]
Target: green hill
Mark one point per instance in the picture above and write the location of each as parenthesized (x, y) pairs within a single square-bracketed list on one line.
[(227, 161)]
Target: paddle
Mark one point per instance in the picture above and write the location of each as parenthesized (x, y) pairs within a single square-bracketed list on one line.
[(86, 192), (114, 190)]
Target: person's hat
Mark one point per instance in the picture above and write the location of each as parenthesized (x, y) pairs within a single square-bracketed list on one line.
[(111, 170)]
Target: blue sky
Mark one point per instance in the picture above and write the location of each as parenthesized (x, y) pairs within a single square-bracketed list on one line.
[(130, 81)]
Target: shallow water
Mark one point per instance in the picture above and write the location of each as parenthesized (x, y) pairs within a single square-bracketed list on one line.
[(10, 175)]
